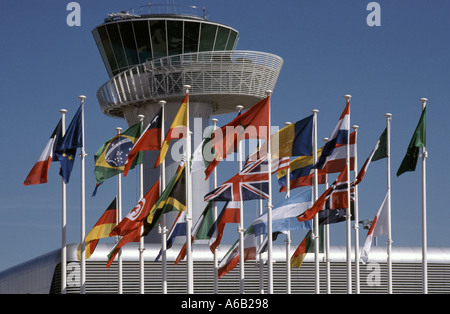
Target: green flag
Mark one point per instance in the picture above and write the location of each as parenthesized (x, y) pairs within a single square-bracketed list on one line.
[(381, 151), (172, 198), (111, 156), (418, 140)]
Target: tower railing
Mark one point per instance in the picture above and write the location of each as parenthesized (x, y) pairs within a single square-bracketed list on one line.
[(162, 9), (214, 77)]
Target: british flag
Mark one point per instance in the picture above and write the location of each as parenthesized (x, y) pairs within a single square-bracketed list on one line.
[(252, 182)]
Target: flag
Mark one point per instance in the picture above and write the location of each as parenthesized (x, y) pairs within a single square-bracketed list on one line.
[(229, 214), (338, 136), (133, 236), (68, 144), (198, 160), (110, 158), (177, 130), (172, 198), (178, 229), (294, 139), (231, 258), (200, 230), (284, 214), (320, 202), (335, 209), (300, 253), (300, 173), (418, 140), (252, 182), (379, 227), (136, 217), (252, 124), (150, 139), (302, 169), (378, 152), (101, 230), (39, 172)]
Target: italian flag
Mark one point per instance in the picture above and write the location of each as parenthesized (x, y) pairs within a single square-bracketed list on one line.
[(39, 172)]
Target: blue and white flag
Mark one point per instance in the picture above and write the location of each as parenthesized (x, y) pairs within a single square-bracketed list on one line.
[(284, 215)]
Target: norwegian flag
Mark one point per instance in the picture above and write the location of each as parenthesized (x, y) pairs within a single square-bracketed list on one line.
[(252, 182)]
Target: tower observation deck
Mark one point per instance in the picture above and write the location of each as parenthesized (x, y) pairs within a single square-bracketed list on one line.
[(151, 52)]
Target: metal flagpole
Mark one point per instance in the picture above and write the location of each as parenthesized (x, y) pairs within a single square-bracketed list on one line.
[(269, 203), (216, 263), (388, 170), (241, 223), (119, 218), (261, 239), (424, 211), (162, 186), (327, 244), (189, 264), (63, 218), (355, 225), (316, 217), (348, 214), (141, 239), (83, 202), (288, 233)]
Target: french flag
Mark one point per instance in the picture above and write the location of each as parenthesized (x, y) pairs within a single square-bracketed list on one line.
[(339, 136), (39, 172)]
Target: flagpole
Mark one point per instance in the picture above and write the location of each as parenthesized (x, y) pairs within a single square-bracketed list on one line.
[(83, 200), (316, 217), (190, 265), (288, 233), (63, 218), (216, 275), (269, 203), (388, 170), (162, 176), (355, 225), (241, 224), (424, 210), (348, 215), (327, 244), (141, 239), (119, 218)]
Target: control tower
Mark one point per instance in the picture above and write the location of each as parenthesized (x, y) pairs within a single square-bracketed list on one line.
[(151, 52)]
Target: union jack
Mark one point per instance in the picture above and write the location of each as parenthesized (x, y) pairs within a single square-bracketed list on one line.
[(252, 182)]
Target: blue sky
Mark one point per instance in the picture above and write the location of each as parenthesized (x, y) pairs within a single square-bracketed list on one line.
[(328, 51)]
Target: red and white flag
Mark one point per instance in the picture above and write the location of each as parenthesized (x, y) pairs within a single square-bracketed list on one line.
[(135, 218), (39, 172), (379, 227)]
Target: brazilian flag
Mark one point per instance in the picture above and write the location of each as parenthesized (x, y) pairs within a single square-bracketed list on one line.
[(110, 159)]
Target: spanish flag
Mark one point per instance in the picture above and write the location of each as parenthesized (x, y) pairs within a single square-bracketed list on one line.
[(177, 130), (101, 229)]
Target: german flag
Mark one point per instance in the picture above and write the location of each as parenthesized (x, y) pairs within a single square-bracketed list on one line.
[(101, 229)]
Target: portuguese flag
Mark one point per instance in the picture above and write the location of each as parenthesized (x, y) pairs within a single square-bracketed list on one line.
[(111, 157)]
